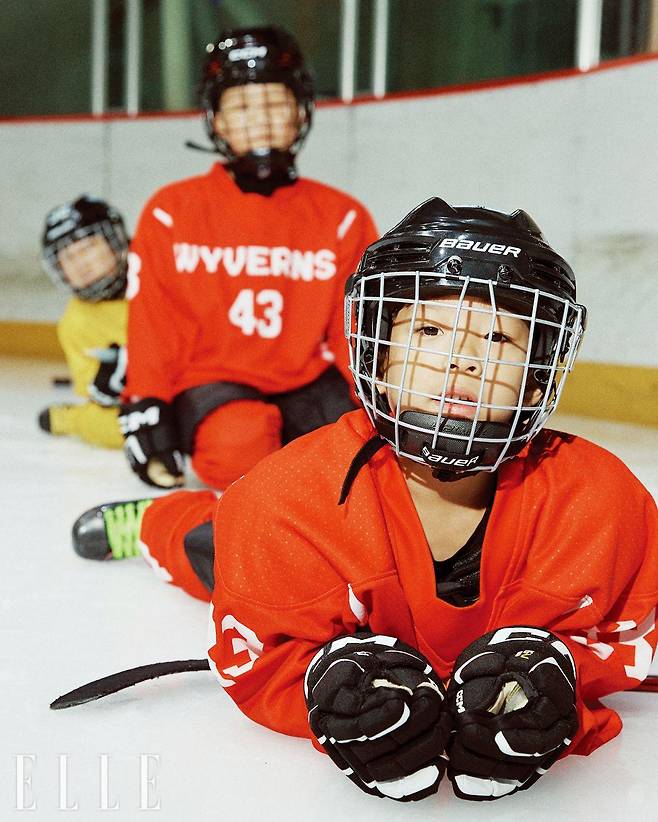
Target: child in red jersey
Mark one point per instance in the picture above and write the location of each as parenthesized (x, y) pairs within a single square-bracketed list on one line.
[(235, 332), (436, 537)]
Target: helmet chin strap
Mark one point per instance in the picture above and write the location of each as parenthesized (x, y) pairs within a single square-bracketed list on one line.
[(258, 172), (262, 172), (198, 147), (448, 458)]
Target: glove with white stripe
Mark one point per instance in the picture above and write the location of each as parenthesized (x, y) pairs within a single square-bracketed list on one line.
[(512, 698), (111, 375), (378, 709), (151, 442)]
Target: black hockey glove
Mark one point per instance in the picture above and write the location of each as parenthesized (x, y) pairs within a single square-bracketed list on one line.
[(111, 376), (512, 700), (378, 709), (151, 442)]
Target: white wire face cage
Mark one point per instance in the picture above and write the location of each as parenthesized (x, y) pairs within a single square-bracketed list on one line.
[(463, 431), (266, 117), (305, 106), (111, 283)]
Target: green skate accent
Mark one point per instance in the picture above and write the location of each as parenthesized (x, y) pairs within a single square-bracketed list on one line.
[(122, 526)]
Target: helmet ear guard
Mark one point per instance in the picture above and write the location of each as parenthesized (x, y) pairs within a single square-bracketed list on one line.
[(436, 253)]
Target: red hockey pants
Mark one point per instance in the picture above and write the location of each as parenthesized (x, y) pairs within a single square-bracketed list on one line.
[(166, 523), (233, 438)]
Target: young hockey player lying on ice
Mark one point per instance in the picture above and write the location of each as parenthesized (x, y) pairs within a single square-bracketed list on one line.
[(433, 581)]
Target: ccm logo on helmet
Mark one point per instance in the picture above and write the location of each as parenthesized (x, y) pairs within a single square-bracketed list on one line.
[(476, 245), (247, 53), (431, 456)]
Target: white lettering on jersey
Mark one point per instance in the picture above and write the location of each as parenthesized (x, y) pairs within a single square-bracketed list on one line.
[(633, 635), (134, 267), (245, 641), (602, 650), (163, 216), (212, 638), (186, 257), (302, 265), (280, 261), (243, 312), (234, 260), (211, 257), (256, 261), (627, 633), (325, 267)]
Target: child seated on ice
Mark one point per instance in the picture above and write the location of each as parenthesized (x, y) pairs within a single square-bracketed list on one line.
[(85, 248)]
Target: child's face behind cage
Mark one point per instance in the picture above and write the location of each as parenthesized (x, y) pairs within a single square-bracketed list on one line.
[(487, 363), (87, 260), (258, 116)]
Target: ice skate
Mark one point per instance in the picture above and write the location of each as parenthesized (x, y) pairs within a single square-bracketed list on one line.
[(110, 531)]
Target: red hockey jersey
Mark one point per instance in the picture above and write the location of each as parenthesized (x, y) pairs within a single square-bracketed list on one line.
[(571, 546), (239, 287)]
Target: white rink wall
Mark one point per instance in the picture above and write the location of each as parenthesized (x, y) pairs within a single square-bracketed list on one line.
[(578, 153)]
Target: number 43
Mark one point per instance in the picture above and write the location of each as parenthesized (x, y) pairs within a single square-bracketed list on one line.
[(242, 313)]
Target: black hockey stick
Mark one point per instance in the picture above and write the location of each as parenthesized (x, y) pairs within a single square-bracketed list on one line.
[(124, 679), (133, 676)]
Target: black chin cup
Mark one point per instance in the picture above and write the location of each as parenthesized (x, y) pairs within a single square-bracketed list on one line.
[(449, 459), (112, 287), (262, 172)]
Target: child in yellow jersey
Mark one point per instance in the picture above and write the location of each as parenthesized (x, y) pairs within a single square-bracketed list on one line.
[(85, 248)]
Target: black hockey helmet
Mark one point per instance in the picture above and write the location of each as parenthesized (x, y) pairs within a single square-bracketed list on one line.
[(265, 54), (459, 253), (74, 221)]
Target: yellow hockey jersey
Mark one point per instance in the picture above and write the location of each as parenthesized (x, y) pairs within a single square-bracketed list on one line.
[(86, 332)]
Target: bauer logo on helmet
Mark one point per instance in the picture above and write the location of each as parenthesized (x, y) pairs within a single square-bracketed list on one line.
[(247, 53), (476, 245)]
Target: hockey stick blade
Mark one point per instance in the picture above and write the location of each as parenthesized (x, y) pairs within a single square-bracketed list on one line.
[(125, 679)]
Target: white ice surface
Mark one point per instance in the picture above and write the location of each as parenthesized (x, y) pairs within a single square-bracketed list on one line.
[(66, 621)]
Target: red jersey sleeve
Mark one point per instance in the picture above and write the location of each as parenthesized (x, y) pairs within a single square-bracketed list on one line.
[(614, 649), (157, 327), (285, 558), (274, 605), (604, 549), (613, 655), (355, 232)]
